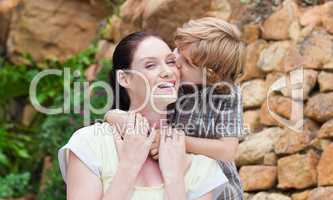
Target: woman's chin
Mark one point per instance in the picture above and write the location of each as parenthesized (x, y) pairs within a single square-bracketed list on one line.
[(162, 101)]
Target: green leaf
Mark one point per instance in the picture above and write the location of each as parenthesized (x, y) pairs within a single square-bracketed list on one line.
[(3, 159)]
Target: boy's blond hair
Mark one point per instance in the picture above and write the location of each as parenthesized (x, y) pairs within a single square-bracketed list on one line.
[(215, 45)]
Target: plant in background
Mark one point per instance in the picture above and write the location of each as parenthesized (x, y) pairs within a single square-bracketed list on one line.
[(114, 5), (57, 129), (13, 150), (245, 1), (23, 148), (54, 188), (14, 185), (14, 82)]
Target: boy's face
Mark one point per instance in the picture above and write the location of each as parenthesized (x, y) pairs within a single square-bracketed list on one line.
[(188, 71)]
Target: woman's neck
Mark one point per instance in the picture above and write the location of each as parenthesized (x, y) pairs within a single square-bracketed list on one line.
[(153, 117), (150, 174)]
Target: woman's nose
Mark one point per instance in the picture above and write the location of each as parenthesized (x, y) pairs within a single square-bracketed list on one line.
[(166, 70)]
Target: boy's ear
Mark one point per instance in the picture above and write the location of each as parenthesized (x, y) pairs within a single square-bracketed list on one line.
[(123, 78)]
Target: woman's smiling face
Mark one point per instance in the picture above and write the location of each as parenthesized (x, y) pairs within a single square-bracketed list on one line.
[(154, 73)]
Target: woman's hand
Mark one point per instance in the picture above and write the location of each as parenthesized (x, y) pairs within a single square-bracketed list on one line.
[(155, 146), (134, 144), (172, 156), (172, 161), (133, 148)]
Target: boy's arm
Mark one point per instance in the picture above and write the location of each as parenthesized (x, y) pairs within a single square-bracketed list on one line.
[(224, 148), (217, 149)]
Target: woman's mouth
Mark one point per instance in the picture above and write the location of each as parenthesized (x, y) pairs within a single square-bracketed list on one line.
[(168, 87)]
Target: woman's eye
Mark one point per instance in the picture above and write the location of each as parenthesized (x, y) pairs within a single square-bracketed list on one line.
[(150, 65), (172, 62)]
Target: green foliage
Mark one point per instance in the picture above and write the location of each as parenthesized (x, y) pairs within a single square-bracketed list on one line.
[(55, 188), (23, 148), (114, 5), (245, 1), (56, 130), (14, 81), (13, 149), (14, 185), (99, 96)]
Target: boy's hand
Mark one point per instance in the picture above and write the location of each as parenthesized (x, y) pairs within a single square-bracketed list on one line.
[(154, 148), (117, 118)]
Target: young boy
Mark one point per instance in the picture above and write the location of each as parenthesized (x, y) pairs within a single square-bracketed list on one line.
[(210, 58)]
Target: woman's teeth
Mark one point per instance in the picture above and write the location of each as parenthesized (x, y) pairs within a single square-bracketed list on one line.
[(166, 85)]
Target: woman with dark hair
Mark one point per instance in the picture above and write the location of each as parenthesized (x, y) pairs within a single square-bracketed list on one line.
[(210, 58), (102, 161)]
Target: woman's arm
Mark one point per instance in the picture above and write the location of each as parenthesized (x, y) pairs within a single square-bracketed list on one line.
[(83, 184), (224, 148), (175, 187), (175, 190), (173, 163), (132, 150), (208, 196), (120, 187), (217, 149)]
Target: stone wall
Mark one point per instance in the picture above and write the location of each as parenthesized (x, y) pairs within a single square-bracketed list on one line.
[(279, 159), (48, 29), (275, 161)]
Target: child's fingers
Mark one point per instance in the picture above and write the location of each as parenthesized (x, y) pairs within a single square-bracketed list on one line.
[(119, 142), (153, 152), (152, 134), (162, 137), (139, 124), (131, 118), (113, 111), (155, 145), (145, 125), (179, 135), (156, 157), (130, 126), (158, 135)]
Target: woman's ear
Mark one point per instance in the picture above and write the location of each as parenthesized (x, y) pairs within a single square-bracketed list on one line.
[(123, 78)]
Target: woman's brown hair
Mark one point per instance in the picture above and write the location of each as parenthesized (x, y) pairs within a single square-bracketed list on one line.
[(122, 59)]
